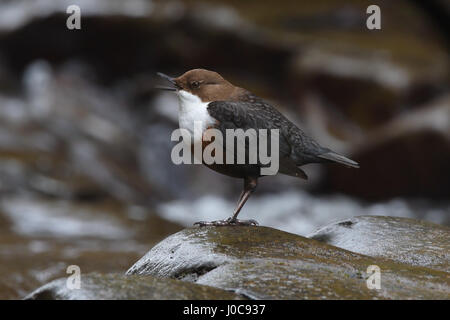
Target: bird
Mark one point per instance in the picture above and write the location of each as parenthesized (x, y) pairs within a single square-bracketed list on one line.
[(207, 97)]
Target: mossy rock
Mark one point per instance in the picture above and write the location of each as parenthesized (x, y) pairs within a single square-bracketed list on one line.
[(408, 241), (97, 286), (264, 263)]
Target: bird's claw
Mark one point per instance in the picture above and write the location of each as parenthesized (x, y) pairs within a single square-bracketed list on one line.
[(227, 222)]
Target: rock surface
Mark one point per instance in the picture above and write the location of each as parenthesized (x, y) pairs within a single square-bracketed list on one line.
[(264, 263), (97, 286), (403, 240), (40, 238)]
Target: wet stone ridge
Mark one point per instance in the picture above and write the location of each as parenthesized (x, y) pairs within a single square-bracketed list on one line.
[(408, 241), (264, 263), (97, 286)]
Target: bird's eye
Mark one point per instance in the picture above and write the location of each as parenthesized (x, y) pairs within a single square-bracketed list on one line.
[(195, 84)]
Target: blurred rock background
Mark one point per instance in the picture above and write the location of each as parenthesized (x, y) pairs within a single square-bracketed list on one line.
[(85, 170)]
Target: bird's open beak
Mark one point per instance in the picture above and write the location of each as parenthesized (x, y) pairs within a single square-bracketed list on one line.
[(173, 85)]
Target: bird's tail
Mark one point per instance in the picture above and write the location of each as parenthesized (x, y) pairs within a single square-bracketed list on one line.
[(334, 157)]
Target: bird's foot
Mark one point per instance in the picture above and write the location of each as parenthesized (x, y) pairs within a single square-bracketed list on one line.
[(227, 222)]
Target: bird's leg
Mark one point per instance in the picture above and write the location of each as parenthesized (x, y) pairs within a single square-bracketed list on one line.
[(249, 186)]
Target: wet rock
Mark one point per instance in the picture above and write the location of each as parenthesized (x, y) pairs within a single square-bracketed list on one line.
[(264, 263), (97, 286), (404, 240), (40, 238)]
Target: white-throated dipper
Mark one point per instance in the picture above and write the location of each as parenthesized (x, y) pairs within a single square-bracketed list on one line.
[(207, 97)]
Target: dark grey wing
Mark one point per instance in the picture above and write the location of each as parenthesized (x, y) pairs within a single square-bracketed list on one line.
[(257, 115)]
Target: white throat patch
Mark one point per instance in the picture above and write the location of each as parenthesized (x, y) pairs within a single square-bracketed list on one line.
[(193, 109)]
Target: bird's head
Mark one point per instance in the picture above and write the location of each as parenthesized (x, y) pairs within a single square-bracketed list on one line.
[(204, 84)]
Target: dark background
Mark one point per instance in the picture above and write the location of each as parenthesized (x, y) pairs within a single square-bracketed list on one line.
[(85, 170)]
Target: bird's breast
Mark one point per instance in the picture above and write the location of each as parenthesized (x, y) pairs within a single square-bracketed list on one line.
[(193, 114)]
